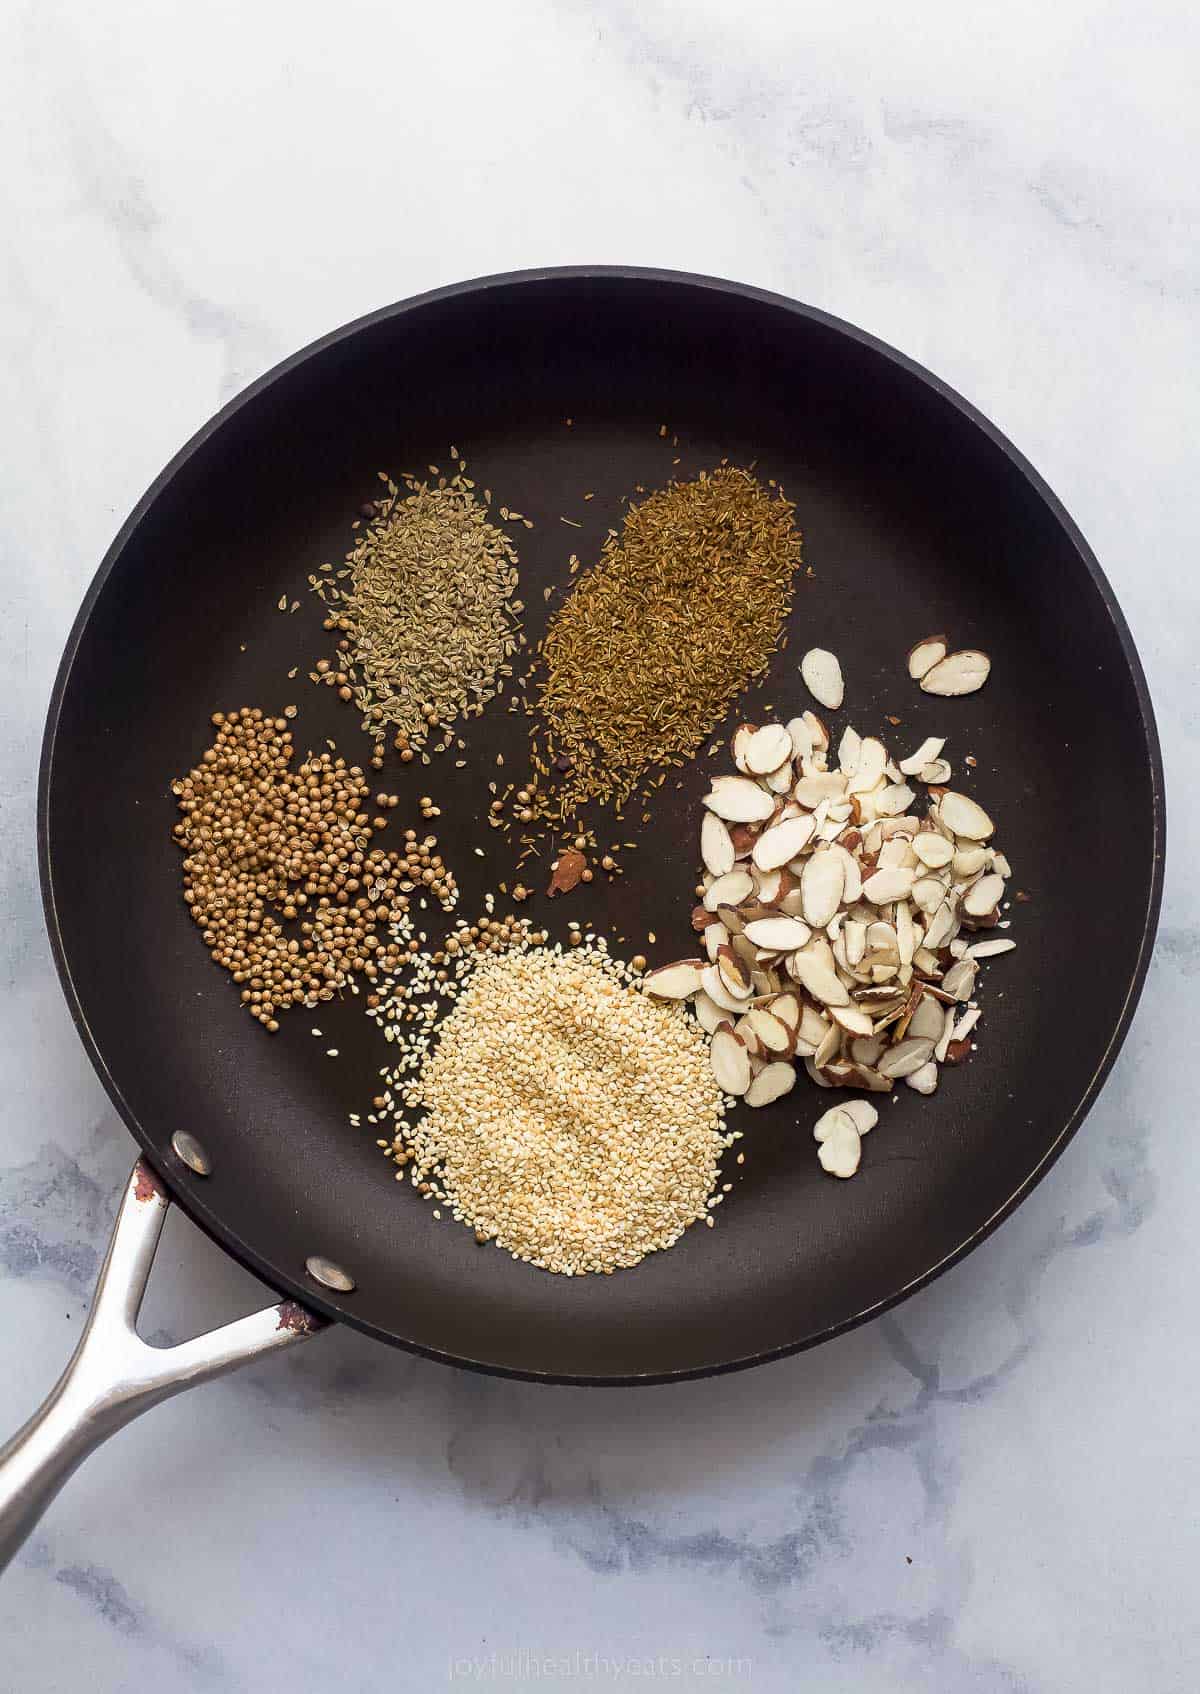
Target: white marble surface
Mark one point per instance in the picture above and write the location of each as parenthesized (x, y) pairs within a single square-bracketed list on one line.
[(997, 1487)]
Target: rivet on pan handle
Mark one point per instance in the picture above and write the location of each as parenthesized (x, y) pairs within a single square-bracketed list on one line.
[(113, 1374)]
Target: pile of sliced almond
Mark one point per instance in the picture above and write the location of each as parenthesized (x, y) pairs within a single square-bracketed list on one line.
[(839, 927)]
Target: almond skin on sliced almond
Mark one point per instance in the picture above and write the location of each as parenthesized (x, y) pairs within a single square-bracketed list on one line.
[(730, 1061), (677, 981), (957, 673), (929, 651), (823, 677)]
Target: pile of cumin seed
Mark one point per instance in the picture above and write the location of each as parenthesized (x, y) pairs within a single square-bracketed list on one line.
[(684, 608), (425, 606)]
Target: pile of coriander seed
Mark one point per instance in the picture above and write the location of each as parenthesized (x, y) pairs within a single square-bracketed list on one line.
[(281, 874)]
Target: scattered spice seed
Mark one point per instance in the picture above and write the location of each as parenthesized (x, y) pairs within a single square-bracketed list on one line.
[(650, 647), (426, 609)]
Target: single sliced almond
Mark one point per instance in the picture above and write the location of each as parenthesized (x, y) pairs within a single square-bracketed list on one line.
[(854, 935), (767, 749), (729, 890), (966, 1023), (841, 1151), (735, 976), (814, 1025), (819, 978), (821, 885), (818, 733), (730, 1061), (905, 1057), (829, 1046), (739, 799), (906, 935), (731, 917), (767, 885), (891, 800), (823, 677), (936, 773), (710, 981), (959, 980), (802, 737), (852, 1020), (716, 845), (891, 883), (989, 949), (962, 816), (778, 935), (772, 1033), (744, 1030), (929, 651), (866, 1049), (933, 850), (941, 1048), (927, 1020), (941, 926), (675, 981), (739, 744), (929, 749), (924, 1079), (780, 842), (786, 1007), (709, 1015), (810, 791), (872, 762), (983, 896), (771, 1083), (716, 936), (968, 862), (780, 781), (957, 673), (849, 751), (837, 1117)]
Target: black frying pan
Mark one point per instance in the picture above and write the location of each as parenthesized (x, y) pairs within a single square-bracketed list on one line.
[(917, 516)]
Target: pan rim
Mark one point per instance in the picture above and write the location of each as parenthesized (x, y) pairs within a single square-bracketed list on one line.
[(309, 1294)]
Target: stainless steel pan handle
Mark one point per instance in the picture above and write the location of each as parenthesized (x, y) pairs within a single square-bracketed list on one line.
[(113, 1374)]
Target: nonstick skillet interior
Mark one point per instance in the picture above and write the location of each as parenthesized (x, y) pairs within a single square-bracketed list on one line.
[(916, 516)]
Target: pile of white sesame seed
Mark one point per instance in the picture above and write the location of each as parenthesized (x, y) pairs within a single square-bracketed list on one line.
[(562, 1113)]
